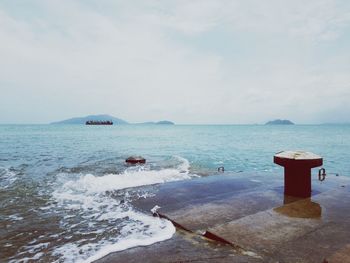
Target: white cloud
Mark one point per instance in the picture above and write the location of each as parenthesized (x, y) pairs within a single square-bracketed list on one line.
[(142, 60)]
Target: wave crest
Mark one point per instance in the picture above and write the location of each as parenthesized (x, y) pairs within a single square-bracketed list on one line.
[(90, 197)]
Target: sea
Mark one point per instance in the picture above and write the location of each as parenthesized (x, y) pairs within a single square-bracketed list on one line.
[(66, 192)]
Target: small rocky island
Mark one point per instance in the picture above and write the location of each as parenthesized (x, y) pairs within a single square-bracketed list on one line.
[(157, 123), (279, 122), (165, 122), (104, 119)]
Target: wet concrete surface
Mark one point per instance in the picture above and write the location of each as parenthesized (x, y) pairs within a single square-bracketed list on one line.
[(183, 247), (341, 255), (252, 213), (177, 195)]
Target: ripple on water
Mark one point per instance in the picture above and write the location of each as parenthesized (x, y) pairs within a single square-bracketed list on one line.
[(7, 177)]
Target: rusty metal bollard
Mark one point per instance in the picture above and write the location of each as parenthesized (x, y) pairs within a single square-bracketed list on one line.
[(297, 171)]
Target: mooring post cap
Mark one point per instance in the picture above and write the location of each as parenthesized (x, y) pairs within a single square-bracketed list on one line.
[(304, 158)]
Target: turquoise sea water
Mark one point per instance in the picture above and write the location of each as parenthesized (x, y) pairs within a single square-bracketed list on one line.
[(65, 190)]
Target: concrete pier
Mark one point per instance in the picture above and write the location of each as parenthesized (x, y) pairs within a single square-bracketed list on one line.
[(251, 213)]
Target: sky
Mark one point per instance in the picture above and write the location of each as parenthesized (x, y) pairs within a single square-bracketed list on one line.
[(188, 61)]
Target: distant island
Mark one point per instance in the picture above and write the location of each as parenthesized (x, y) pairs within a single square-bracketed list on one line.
[(279, 122), (94, 118), (104, 118), (165, 122), (159, 122)]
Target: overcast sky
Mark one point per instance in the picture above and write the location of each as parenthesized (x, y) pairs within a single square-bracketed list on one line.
[(205, 61)]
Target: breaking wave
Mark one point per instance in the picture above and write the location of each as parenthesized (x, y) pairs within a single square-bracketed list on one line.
[(90, 184), (98, 214)]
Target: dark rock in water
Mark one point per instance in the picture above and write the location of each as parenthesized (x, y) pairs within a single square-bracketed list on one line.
[(280, 122), (135, 160)]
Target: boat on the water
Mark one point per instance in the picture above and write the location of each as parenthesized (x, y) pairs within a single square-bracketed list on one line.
[(99, 123)]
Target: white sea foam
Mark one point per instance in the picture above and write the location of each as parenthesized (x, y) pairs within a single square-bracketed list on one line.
[(100, 214), (132, 235), (111, 182), (91, 184), (133, 229), (165, 233), (15, 217), (7, 178)]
